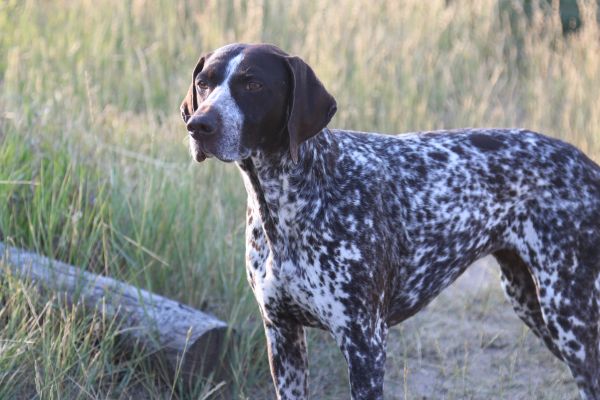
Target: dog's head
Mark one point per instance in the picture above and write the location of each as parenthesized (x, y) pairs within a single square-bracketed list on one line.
[(246, 98)]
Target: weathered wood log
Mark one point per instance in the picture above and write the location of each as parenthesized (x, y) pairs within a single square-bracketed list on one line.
[(190, 342)]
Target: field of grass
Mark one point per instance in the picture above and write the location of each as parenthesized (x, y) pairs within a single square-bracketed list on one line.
[(94, 170)]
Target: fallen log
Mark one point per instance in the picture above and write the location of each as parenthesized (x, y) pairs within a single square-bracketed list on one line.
[(191, 343)]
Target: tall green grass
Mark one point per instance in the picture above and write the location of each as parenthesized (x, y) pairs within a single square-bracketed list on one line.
[(94, 168)]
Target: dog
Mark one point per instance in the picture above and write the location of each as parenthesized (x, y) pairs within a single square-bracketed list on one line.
[(354, 232)]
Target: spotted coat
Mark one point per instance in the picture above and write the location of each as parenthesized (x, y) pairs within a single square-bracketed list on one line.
[(353, 232)]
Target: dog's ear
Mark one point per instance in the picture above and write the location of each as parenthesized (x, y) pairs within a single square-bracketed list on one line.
[(190, 101), (311, 106)]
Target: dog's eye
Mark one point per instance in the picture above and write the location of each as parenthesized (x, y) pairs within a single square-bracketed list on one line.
[(202, 85), (253, 86)]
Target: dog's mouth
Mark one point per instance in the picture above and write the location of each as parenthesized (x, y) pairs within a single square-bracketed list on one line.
[(197, 151), (200, 150), (199, 157)]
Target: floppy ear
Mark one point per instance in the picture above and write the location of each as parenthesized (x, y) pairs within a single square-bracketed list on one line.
[(190, 102), (311, 106)]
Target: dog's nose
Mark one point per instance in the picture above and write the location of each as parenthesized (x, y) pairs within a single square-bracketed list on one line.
[(202, 125)]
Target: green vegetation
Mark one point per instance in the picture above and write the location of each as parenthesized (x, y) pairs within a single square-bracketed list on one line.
[(94, 168)]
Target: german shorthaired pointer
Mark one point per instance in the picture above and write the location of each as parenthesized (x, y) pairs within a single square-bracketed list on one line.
[(354, 232)]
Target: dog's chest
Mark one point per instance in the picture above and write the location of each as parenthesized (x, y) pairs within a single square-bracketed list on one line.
[(306, 282)]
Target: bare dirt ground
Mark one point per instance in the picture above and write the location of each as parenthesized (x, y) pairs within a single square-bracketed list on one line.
[(467, 344)]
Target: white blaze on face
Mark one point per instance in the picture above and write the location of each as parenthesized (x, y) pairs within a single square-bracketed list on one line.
[(220, 101)]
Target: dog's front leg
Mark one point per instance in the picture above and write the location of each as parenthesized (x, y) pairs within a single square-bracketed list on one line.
[(363, 344), (288, 359)]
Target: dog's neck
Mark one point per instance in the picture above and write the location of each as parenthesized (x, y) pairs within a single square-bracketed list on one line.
[(287, 194)]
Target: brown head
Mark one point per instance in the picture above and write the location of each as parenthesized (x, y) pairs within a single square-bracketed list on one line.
[(247, 98)]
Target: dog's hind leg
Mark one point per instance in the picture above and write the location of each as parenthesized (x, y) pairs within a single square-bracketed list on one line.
[(570, 310), (520, 290), (566, 271)]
